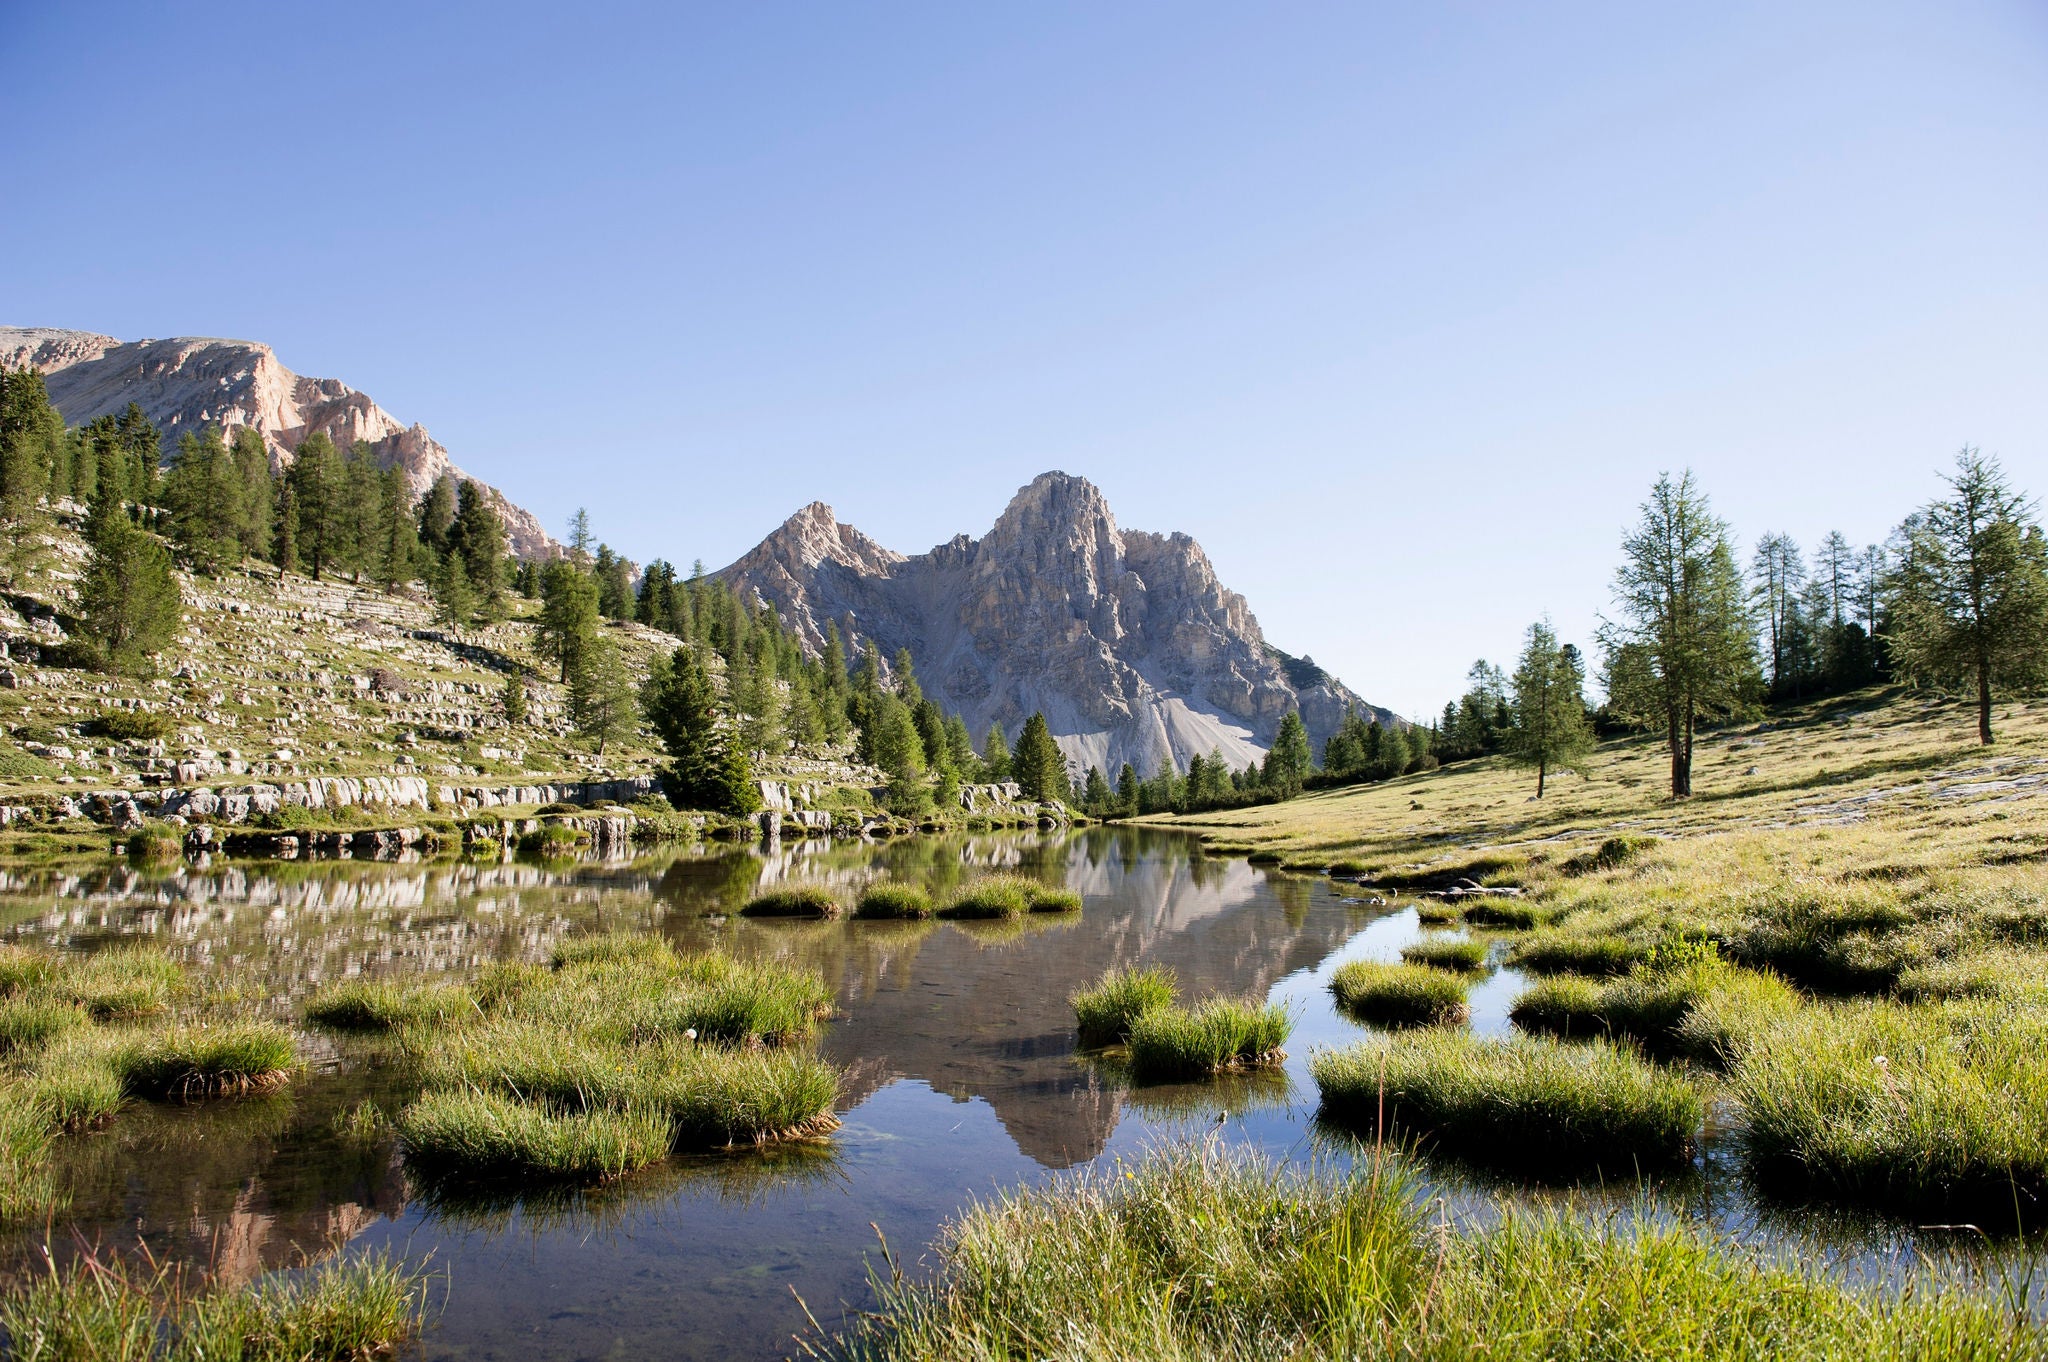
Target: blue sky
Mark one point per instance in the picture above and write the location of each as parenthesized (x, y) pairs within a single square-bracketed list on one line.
[(1397, 308)]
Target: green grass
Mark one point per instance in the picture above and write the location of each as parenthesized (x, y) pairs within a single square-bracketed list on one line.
[(1439, 912), (1615, 852), (1399, 995), (1657, 1007), (1049, 899), (384, 1005), (491, 1135), (100, 1309), (118, 983), (188, 1063), (1169, 1043), (612, 948), (1103, 1014), (28, 1185), (1454, 954), (1198, 1253), (624, 993), (1532, 1105), (77, 1079), (991, 897), (1570, 952), (803, 900), (28, 1023), (1939, 1109), (893, 901)]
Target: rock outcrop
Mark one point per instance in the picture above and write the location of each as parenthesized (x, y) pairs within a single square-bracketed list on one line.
[(193, 381), (1125, 640)]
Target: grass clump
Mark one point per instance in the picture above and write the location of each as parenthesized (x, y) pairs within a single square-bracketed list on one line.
[(119, 983), (1439, 912), (1533, 1105), (1044, 898), (30, 1023), (1937, 1109), (383, 1005), (1612, 854), (1701, 1009), (1197, 1252), (1454, 954), (1168, 1043), (1103, 1014), (189, 1063), (992, 897), (28, 1186), (893, 901), (1399, 995), (101, 1309), (1566, 952), (1513, 915), (802, 900), (76, 1080), (612, 948), (488, 1134)]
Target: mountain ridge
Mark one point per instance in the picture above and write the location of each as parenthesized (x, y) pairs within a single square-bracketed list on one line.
[(1124, 639), (183, 383)]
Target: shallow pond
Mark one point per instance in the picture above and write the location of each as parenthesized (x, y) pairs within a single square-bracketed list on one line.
[(962, 1079)]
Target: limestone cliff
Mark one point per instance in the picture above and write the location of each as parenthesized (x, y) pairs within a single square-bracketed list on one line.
[(1126, 640), (194, 381)]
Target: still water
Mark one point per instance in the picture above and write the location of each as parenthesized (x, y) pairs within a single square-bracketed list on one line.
[(962, 1080)]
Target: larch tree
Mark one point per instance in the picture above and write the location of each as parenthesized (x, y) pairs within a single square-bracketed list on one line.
[(1681, 649), (1970, 597), (1550, 729), (601, 700)]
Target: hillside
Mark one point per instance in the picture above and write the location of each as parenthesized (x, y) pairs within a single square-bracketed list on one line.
[(1125, 640), (189, 382)]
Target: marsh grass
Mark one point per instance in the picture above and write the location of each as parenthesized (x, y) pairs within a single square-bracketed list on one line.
[(1053, 899), (490, 1135), (1935, 1109), (1506, 914), (1439, 912), (1666, 1011), (76, 1079), (1195, 1252), (28, 1023), (991, 897), (118, 983), (191, 1063), (28, 1185), (1531, 1105), (1576, 952), (1169, 1043), (384, 1005), (610, 948), (1456, 955), (99, 1308), (1104, 1013), (801, 900), (894, 902), (1399, 995)]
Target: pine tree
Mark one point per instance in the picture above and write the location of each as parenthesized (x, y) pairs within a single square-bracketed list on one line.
[(601, 703), (478, 538), (900, 753), (31, 443), (129, 603), (398, 548), (579, 538), (1291, 759), (256, 526), (1127, 790), (1683, 649), (437, 515), (1549, 706), (1038, 765), (1971, 594), (568, 615), (707, 770), (203, 493), (454, 601), (513, 699), (285, 544), (316, 503), (995, 755)]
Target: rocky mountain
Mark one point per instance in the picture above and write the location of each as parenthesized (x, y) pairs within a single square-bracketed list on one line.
[(1125, 639), (193, 381)]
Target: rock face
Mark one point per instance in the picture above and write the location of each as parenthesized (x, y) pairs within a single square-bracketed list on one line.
[(194, 381), (1126, 640)]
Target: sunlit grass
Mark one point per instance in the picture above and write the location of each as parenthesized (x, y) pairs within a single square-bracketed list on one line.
[(1169, 1043), (1399, 995), (1103, 1014)]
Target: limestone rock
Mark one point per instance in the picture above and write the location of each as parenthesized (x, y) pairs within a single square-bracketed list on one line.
[(189, 382), (1126, 640)]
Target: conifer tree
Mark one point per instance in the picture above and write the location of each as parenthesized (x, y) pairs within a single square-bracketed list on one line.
[(1291, 759), (31, 443), (256, 525), (129, 602), (203, 493), (1127, 790), (316, 504), (1971, 594), (707, 770), (513, 699), (614, 584), (1683, 649), (285, 544), (568, 615), (995, 755), (478, 538), (1550, 729), (1038, 765), (398, 549), (437, 515), (601, 701), (454, 600)]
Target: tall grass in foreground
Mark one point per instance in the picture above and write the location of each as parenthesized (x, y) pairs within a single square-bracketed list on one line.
[(1532, 1105), (1103, 1014), (1195, 1253), (99, 1309), (1169, 1043), (1938, 1109), (28, 1186), (1399, 995), (118, 983)]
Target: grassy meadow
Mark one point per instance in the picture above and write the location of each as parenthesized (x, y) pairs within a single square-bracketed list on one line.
[(1840, 941)]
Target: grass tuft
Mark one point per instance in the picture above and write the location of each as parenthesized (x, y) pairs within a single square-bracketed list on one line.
[(1169, 1043), (992, 897), (1454, 954), (893, 901), (1049, 899), (189, 1063), (1532, 1105), (1399, 995), (490, 1135), (1103, 1014), (383, 1005), (802, 900)]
